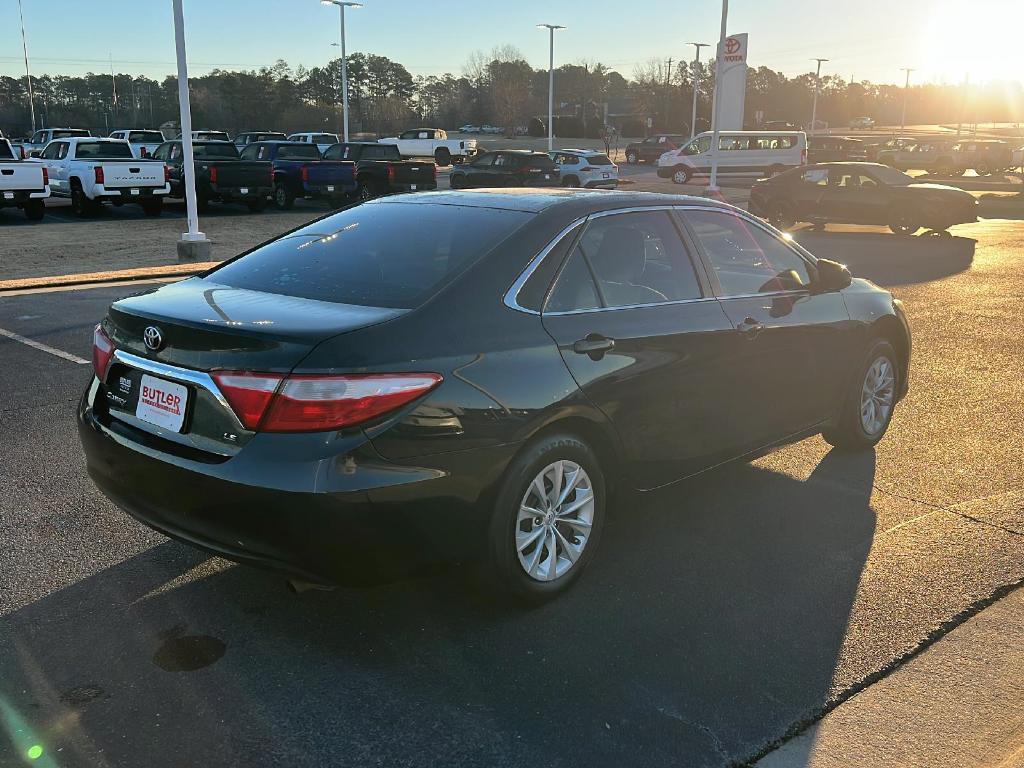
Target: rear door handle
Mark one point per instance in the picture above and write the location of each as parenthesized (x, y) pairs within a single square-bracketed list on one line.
[(594, 345), (750, 327)]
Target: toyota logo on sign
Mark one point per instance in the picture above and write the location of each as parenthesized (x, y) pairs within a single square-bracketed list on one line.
[(153, 338), (732, 45)]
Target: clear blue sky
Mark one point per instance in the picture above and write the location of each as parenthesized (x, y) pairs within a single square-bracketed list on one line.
[(868, 39)]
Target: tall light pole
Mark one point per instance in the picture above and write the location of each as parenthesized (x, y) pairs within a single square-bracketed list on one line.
[(193, 245), (906, 89), (342, 5), (817, 82), (28, 74), (696, 71), (551, 82), (713, 183)]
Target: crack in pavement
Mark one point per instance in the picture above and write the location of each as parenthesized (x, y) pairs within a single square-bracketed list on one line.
[(950, 508)]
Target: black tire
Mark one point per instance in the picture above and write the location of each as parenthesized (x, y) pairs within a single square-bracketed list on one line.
[(504, 569), (257, 205), (81, 205), (154, 207), (458, 181), (782, 214), (681, 174), (904, 222), (849, 433), (283, 199), (35, 210), (570, 181), (442, 156), (983, 168), (632, 158)]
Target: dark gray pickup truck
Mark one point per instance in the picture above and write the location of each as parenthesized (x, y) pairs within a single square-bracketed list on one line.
[(220, 175), (380, 169)]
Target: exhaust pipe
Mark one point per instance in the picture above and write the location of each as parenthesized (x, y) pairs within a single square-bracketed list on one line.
[(298, 587)]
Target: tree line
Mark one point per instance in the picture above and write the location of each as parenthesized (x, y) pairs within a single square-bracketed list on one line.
[(498, 87)]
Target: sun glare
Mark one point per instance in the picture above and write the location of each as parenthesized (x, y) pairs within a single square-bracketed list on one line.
[(958, 39)]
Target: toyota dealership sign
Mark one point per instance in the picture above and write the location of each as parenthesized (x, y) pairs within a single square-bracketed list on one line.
[(733, 86)]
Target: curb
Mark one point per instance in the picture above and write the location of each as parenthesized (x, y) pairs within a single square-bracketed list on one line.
[(109, 276)]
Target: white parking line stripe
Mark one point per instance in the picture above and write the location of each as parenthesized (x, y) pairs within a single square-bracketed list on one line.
[(43, 347)]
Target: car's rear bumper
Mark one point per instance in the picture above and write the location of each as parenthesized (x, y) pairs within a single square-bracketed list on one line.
[(602, 184), (236, 194), (19, 197), (420, 186), (349, 518)]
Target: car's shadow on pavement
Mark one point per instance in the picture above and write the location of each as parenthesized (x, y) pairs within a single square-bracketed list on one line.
[(710, 622), (891, 260)]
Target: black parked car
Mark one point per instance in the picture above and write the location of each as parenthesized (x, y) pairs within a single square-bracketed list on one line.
[(380, 169), (507, 168), (832, 149), (653, 147), (220, 175), (336, 402), (860, 193)]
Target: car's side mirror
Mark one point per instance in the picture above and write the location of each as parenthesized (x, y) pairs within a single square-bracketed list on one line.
[(831, 276), (35, 153)]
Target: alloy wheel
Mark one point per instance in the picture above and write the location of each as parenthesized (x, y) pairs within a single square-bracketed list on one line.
[(555, 519), (877, 395)]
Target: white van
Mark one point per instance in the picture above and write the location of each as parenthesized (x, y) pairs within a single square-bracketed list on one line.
[(741, 153)]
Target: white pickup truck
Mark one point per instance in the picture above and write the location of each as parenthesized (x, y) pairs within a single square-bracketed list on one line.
[(433, 142), (44, 136), (92, 171), (22, 184), (143, 143)]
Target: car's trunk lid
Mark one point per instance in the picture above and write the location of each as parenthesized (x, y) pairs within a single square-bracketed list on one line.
[(202, 328), (412, 172)]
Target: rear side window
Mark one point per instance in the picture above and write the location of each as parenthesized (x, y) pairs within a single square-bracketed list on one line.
[(539, 161), (598, 160), (107, 150), (288, 152), (354, 257)]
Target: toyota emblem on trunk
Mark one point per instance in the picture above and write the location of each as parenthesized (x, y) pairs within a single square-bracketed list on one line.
[(153, 338)]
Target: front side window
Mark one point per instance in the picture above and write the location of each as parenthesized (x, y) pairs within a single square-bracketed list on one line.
[(745, 258), (483, 162), (698, 146), (817, 176)]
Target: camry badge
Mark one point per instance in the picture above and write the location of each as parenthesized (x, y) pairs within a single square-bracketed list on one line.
[(153, 338)]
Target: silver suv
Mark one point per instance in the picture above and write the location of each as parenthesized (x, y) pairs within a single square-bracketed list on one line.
[(586, 168)]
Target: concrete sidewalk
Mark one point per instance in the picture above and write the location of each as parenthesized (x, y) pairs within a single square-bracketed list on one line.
[(959, 703)]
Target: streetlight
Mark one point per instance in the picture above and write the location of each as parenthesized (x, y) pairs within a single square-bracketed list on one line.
[(551, 83), (906, 89), (342, 5), (28, 74), (696, 70), (193, 245), (713, 182), (817, 82)]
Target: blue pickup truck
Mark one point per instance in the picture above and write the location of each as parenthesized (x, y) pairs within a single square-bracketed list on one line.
[(300, 172)]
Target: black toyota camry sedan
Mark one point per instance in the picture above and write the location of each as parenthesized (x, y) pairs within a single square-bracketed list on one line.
[(472, 375), (860, 193)]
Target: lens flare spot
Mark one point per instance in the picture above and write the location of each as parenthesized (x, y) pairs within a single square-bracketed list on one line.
[(34, 752)]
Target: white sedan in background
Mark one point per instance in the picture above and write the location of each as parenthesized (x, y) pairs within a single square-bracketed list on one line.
[(586, 168)]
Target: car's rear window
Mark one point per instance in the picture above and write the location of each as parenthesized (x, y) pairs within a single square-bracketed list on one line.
[(6, 153), (306, 152), (212, 136), (218, 149), (146, 137), (598, 160), (354, 257), (67, 134), (106, 150), (539, 161)]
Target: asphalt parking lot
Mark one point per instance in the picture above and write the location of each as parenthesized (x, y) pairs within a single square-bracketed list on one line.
[(720, 614)]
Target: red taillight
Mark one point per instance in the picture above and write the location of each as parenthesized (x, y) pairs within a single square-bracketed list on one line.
[(305, 173), (391, 174), (99, 174), (213, 174), (274, 403), (803, 157), (102, 351), (588, 168), (46, 176), (167, 173), (143, 152)]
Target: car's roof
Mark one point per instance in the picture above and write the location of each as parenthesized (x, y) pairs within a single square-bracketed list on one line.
[(845, 164), (516, 151), (577, 202), (580, 151)]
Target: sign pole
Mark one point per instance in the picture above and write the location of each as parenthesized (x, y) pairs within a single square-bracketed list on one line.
[(719, 69), (193, 245)]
